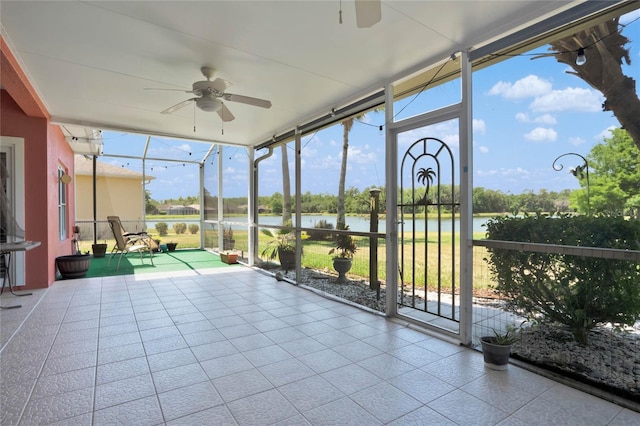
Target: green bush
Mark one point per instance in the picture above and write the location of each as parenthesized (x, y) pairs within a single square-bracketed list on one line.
[(576, 291), (321, 234), (161, 228), (193, 228), (179, 228)]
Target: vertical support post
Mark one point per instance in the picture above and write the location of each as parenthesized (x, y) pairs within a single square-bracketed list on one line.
[(95, 209), (298, 142), (220, 201), (253, 202), (374, 284), (253, 234), (144, 187), (466, 206), (391, 171), (144, 196), (202, 228)]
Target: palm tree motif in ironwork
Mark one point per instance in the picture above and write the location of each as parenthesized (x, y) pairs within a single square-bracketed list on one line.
[(425, 177)]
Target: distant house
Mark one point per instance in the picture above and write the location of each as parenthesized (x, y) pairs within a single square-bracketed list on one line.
[(173, 209), (119, 191)]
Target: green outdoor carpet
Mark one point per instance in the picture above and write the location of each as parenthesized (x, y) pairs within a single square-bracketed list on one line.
[(179, 260)]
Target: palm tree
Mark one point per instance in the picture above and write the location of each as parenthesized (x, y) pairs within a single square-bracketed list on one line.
[(346, 128), (603, 46), (286, 187)]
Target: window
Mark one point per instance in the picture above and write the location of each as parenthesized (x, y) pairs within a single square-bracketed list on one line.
[(62, 205)]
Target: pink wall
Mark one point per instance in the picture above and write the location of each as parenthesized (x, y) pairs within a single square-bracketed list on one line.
[(24, 116)]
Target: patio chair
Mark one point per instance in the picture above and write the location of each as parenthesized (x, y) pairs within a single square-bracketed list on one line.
[(132, 236), (140, 243)]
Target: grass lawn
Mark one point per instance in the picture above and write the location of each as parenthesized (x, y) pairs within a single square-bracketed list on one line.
[(423, 263)]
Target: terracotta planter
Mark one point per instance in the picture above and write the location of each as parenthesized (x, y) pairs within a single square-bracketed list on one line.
[(229, 258), (496, 357), (73, 266)]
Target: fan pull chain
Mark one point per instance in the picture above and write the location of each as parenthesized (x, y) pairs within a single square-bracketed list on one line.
[(222, 119), (340, 13), (194, 117)]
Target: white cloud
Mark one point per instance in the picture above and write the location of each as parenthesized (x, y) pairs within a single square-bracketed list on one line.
[(541, 134), (545, 119), (576, 141), (479, 126), (523, 117), (527, 87), (359, 156), (569, 99), (605, 134), (518, 171), (483, 149)]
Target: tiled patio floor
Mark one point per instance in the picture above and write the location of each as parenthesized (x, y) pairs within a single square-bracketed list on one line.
[(233, 346)]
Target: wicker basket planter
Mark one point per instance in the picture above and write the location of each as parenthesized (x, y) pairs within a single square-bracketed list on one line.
[(73, 266)]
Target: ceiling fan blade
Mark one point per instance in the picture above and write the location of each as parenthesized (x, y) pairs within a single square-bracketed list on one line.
[(262, 103), (368, 13), (225, 114), (170, 90), (178, 106)]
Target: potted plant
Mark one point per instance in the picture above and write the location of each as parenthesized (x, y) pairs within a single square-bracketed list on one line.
[(281, 244), (99, 249), (228, 257), (497, 348), (345, 248), (171, 245), (228, 243)]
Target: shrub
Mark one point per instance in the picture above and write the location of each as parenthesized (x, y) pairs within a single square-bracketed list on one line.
[(321, 235), (161, 228), (576, 291), (345, 246), (179, 228), (193, 228)]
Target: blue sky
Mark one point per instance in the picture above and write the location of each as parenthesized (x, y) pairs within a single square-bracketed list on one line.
[(526, 113)]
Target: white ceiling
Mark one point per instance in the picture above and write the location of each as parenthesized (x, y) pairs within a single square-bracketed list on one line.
[(91, 61)]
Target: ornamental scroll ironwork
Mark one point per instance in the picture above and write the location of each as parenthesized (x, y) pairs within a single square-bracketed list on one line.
[(427, 228), (580, 172)]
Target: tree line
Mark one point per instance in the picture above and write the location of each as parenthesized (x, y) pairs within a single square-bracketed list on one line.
[(609, 180)]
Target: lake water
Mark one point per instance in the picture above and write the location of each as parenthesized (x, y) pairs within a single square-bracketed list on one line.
[(356, 223)]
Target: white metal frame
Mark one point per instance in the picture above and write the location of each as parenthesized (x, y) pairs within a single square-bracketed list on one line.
[(461, 111)]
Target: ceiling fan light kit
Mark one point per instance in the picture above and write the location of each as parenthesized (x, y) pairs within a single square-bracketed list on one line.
[(209, 103)]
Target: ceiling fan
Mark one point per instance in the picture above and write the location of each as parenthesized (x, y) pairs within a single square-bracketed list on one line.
[(209, 96)]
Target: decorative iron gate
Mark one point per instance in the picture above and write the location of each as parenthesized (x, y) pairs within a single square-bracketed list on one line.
[(428, 202)]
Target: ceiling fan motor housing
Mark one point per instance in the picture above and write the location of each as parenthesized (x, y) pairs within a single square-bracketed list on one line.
[(202, 88)]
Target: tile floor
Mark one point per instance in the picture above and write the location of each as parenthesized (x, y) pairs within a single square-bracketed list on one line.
[(234, 346)]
